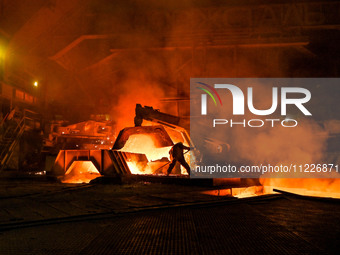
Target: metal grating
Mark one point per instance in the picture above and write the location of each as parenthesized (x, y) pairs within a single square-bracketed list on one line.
[(235, 229)]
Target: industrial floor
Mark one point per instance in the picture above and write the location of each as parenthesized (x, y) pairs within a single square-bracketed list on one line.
[(149, 218)]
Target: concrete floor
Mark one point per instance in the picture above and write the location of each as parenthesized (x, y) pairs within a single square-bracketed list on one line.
[(149, 218)]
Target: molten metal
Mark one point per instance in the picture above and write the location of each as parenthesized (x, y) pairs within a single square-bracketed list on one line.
[(81, 172), (142, 143)]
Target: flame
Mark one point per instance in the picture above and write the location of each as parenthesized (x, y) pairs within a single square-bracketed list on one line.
[(81, 172)]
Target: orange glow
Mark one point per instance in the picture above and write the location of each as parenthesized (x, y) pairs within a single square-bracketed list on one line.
[(217, 192), (248, 191), (306, 186), (81, 172), (145, 144), (240, 192), (148, 94), (136, 168), (300, 186)]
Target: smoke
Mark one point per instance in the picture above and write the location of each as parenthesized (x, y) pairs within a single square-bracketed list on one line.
[(279, 144), (165, 58), (146, 75), (152, 50), (162, 41), (304, 144), (271, 143), (134, 91)]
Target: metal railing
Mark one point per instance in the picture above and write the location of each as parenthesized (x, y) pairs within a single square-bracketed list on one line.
[(13, 130)]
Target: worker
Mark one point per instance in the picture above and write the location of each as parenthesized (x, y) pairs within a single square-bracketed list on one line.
[(176, 154)]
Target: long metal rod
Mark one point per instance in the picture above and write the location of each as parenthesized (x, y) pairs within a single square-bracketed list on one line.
[(168, 163)]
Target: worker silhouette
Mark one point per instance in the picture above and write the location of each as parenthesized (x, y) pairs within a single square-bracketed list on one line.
[(176, 154)]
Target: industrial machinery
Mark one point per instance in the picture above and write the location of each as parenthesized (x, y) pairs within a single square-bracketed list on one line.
[(143, 149), (91, 135), (148, 113), (160, 131), (179, 126), (137, 150)]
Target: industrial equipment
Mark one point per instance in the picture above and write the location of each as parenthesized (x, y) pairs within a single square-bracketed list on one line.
[(137, 150)]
